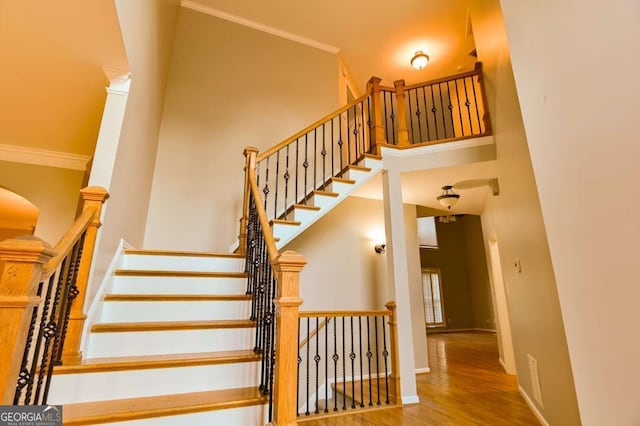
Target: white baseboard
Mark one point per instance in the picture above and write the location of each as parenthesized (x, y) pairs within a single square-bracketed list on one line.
[(423, 370), (533, 407), (501, 361), (411, 399)]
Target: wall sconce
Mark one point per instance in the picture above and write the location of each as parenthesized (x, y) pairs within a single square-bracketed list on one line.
[(419, 60), (448, 198), (380, 248)]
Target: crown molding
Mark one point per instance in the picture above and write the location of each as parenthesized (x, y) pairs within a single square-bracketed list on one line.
[(43, 157), (194, 5)]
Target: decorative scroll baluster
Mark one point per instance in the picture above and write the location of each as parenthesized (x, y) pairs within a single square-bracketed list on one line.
[(369, 356), (375, 322), (340, 142), (298, 375), (286, 184), (434, 110), (276, 185), (307, 410), (305, 165), (324, 157), (467, 103), (326, 367), (335, 358), (385, 355), (352, 356), (317, 359), (444, 126), (450, 107), (418, 114)]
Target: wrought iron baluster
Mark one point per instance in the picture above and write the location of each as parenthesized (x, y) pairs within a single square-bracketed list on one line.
[(297, 163), (317, 359), (265, 190), (393, 118), (369, 356), (306, 166), (375, 322), (444, 126), (286, 177), (335, 358), (410, 116), (363, 125), (352, 355), (333, 167), (467, 103), (326, 366), (386, 117), (348, 139), (276, 185), (434, 110), (324, 157), (360, 358), (298, 374), (475, 100), (340, 142), (385, 355), (459, 107), (315, 157), (25, 376), (426, 116), (450, 106), (418, 113), (307, 340), (344, 370)]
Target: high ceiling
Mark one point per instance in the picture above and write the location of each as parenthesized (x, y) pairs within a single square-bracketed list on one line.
[(375, 37), (51, 80)]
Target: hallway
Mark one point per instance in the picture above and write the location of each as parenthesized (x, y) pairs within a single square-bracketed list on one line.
[(467, 386)]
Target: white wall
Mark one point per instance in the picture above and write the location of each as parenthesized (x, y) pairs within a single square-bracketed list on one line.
[(514, 218), (54, 191), (229, 87), (148, 28), (575, 68)]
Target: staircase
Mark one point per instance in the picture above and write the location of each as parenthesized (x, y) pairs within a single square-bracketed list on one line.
[(173, 346)]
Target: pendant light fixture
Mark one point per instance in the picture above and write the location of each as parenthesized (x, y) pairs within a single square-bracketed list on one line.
[(448, 198)]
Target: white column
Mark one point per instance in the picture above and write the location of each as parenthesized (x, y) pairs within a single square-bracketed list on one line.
[(109, 136), (398, 279)]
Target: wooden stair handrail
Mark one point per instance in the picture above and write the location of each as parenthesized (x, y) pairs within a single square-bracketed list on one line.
[(368, 313)]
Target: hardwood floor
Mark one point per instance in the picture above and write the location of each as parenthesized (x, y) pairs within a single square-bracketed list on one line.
[(467, 386)]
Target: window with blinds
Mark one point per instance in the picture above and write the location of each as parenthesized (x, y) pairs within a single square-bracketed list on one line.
[(433, 309)]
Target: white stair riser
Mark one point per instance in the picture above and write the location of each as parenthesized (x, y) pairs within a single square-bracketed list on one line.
[(117, 311), (284, 232), (371, 163), (239, 416), (169, 342), (182, 263), (340, 187), (72, 388), (324, 202), (304, 215), (178, 285), (357, 175)]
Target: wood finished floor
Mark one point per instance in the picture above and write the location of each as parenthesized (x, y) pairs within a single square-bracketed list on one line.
[(467, 386)]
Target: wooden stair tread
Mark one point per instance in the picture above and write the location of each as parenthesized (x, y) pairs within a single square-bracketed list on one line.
[(285, 222), (325, 193), (162, 252), (342, 180), (359, 168), (305, 207), (373, 156), (98, 365), (89, 413), (115, 327), (175, 297), (185, 274)]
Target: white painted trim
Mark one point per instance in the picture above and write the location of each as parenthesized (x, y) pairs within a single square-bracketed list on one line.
[(411, 399), (95, 308), (441, 147), (423, 370), (194, 5), (43, 157), (533, 407)]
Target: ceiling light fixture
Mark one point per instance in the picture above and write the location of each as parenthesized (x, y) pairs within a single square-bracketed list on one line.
[(448, 198), (419, 60)]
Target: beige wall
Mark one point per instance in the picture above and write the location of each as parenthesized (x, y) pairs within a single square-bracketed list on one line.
[(576, 73), (229, 87), (147, 27), (344, 271), (514, 218), (465, 279), (54, 191)]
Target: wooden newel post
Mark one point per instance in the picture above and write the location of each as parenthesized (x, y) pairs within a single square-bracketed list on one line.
[(21, 261), (287, 267), (377, 134), (394, 377), (94, 197), (250, 154), (403, 131), (483, 94)]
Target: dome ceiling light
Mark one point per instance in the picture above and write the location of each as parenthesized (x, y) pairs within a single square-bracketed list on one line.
[(419, 60)]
